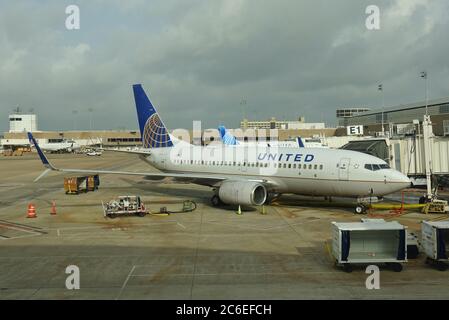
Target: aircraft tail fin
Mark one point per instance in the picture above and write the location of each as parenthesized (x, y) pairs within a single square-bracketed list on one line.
[(227, 137), (153, 132)]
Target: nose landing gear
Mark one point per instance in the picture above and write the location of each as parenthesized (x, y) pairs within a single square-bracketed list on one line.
[(360, 209)]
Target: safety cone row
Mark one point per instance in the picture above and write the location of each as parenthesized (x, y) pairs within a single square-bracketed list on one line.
[(31, 211)]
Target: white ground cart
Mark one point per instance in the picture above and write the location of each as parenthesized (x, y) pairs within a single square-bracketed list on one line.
[(435, 242), (369, 242), (124, 206)]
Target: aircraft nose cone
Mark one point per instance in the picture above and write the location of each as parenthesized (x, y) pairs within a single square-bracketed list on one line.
[(404, 181)]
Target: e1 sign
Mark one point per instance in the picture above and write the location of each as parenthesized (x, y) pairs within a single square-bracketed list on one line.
[(354, 130)]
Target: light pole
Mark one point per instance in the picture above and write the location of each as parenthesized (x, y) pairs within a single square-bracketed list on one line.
[(424, 76), (74, 112), (90, 118), (427, 137), (243, 106), (381, 89)]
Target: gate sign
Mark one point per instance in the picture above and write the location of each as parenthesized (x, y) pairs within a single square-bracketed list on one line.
[(354, 130)]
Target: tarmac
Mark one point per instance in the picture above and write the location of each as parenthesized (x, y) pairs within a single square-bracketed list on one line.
[(210, 253)]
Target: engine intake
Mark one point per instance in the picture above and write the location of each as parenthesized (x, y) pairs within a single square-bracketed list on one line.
[(242, 193)]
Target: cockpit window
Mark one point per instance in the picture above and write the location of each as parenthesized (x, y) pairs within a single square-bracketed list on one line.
[(375, 167)]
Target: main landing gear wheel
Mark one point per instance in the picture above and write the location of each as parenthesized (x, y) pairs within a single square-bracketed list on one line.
[(422, 200), (360, 209), (347, 268), (215, 200), (441, 266), (396, 267), (271, 197)]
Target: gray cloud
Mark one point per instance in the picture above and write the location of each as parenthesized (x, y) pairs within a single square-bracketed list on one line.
[(198, 59)]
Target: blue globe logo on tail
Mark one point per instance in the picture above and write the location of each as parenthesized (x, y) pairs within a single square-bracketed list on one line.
[(153, 132), (155, 135)]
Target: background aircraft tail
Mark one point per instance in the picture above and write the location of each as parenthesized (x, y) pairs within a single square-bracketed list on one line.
[(300, 142), (153, 132), (227, 137)]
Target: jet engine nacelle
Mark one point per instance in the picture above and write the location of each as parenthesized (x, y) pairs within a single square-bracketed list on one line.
[(242, 193)]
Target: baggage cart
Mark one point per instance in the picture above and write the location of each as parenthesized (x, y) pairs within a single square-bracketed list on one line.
[(371, 242), (124, 206), (435, 242)]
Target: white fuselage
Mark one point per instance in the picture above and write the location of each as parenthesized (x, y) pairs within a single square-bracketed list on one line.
[(67, 146), (306, 171)]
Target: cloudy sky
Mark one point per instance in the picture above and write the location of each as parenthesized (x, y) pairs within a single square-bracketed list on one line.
[(199, 59)]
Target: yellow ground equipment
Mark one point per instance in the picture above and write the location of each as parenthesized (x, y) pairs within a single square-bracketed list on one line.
[(75, 185), (436, 206)]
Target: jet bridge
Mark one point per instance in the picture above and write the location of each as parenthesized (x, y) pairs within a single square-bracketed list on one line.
[(406, 154)]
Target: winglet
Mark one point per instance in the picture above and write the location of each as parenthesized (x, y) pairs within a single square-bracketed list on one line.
[(44, 159), (227, 137), (300, 142)]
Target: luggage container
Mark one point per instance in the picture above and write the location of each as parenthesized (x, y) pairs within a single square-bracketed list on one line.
[(435, 242), (413, 243), (75, 185), (93, 182), (370, 242)]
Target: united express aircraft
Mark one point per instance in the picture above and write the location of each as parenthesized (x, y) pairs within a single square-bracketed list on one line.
[(251, 174)]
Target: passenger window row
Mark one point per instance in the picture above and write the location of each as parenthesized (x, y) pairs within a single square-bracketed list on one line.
[(253, 164)]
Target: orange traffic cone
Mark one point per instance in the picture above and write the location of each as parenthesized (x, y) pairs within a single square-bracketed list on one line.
[(31, 211), (53, 208)]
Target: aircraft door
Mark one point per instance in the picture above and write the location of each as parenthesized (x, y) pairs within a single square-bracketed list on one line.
[(163, 158), (343, 169)]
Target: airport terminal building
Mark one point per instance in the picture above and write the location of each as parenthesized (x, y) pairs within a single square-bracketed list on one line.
[(402, 119)]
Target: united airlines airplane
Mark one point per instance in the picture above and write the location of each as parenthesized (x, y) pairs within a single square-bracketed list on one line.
[(252, 175)]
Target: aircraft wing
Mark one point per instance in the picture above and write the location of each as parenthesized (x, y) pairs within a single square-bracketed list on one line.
[(139, 151), (207, 179)]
